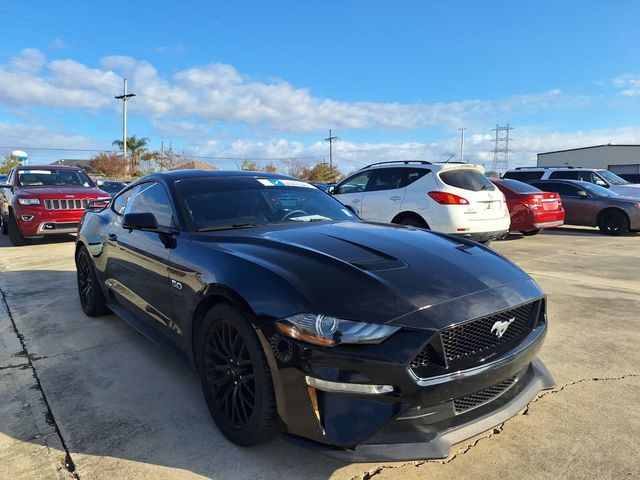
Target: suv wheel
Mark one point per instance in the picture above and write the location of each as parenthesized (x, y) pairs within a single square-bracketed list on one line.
[(529, 233), (413, 222), (15, 235), (613, 222), (235, 377)]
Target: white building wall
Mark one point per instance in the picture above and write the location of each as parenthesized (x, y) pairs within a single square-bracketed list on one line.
[(617, 158)]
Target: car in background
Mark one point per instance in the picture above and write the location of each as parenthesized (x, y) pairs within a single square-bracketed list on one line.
[(371, 341), (3, 178), (110, 186), (591, 205), (530, 208), (37, 201), (597, 176), (324, 186), (452, 198)]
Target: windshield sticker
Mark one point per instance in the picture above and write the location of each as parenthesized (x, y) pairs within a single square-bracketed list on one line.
[(44, 172), (283, 182)]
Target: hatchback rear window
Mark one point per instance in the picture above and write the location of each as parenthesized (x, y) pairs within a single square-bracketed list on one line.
[(523, 176), (467, 179)]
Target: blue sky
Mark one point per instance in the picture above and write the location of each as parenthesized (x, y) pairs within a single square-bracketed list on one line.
[(268, 79)]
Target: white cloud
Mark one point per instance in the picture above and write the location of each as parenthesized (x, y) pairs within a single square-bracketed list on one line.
[(628, 84), (218, 94), (57, 43)]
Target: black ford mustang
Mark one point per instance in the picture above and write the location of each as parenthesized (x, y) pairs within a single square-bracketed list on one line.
[(368, 341)]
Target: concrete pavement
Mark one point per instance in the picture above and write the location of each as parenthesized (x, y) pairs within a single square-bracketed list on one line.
[(90, 398)]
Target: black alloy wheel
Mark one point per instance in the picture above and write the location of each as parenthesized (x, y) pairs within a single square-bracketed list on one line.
[(91, 297), (235, 378), (613, 222)]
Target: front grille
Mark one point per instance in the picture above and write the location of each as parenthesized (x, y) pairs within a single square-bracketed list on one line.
[(476, 337), (66, 204), (477, 399)]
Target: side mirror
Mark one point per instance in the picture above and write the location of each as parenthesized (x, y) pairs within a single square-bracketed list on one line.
[(582, 194), (331, 189), (140, 221)]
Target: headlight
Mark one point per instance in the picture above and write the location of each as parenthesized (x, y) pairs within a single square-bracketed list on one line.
[(331, 331), (29, 201)]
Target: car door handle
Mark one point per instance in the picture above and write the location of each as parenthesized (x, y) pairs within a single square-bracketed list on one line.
[(395, 199), (113, 237)]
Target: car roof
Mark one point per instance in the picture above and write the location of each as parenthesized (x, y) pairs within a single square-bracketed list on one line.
[(175, 175), (419, 164), (568, 167), (578, 183), (49, 167)]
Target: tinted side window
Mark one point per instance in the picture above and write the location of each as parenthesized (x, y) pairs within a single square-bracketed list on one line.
[(119, 204), (385, 179), (355, 184), (152, 198), (413, 174), (467, 179), (523, 176), (561, 188), (584, 176)]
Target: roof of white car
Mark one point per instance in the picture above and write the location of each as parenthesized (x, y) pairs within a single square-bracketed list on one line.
[(422, 164)]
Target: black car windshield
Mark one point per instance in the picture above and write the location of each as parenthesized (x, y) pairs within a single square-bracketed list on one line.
[(218, 203), (598, 190), (612, 178), (54, 177)]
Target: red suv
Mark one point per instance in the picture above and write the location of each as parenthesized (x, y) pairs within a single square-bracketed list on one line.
[(45, 200), (530, 208)]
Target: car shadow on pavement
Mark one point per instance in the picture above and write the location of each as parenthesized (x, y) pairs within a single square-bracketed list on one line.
[(121, 404), (581, 232)]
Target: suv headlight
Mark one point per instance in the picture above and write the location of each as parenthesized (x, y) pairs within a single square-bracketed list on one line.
[(330, 331), (29, 201)]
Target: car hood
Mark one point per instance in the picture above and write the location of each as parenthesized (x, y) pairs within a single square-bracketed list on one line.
[(376, 273), (632, 190), (62, 192)]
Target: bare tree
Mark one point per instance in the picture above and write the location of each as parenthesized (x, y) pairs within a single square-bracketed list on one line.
[(294, 167)]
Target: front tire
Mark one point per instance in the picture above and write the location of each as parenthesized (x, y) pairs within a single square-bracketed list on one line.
[(613, 222), (3, 226), (91, 296), (15, 235), (529, 233), (235, 377)]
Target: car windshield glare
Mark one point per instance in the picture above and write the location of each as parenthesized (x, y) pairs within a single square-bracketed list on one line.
[(42, 177), (467, 179), (216, 203), (612, 178)]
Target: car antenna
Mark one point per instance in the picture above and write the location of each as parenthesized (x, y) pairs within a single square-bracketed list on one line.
[(452, 155)]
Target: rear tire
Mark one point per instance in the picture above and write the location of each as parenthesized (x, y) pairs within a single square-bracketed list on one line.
[(613, 222), (89, 291), (235, 377), (3, 226), (529, 233), (15, 235)]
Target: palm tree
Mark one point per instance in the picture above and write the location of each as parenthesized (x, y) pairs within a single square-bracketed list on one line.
[(135, 147)]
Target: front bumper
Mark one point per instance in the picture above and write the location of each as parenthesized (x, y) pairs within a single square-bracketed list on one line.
[(418, 417), (36, 222)]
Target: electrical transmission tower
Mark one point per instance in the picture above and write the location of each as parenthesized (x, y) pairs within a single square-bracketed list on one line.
[(501, 149)]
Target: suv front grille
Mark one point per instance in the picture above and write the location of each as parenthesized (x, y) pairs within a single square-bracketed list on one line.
[(476, 337), (66, 204), (477, 399)]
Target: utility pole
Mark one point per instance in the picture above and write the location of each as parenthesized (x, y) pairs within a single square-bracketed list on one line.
[(331, 139), (124, 97), (462, 143)]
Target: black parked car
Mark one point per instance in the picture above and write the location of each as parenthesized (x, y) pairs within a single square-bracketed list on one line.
[(373, 341), (111, 187), (591, 205)]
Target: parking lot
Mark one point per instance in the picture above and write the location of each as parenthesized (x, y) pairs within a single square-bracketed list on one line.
[(91, 398)]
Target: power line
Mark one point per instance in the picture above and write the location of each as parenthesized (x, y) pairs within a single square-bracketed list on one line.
[(501, 149)]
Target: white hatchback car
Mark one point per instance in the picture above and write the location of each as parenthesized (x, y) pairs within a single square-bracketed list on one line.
[(452, 198)]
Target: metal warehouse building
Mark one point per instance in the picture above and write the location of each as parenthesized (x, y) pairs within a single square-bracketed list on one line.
[(620, 159)]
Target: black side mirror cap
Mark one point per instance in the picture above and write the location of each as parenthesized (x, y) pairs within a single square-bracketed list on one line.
[(140, 221)]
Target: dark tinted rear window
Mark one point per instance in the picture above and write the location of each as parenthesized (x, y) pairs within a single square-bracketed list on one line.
[(561, 188), (467, 179), (523, 176), (582, 175), (519, 187)]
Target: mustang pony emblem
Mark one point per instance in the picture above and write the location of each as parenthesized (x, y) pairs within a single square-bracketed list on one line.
[(501, 327)]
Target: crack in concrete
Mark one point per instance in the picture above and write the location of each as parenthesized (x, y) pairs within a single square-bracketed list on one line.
[(22, 366), (68, 461), (495, 431)]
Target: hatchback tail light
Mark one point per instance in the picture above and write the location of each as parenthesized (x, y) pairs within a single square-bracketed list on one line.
[(445, 198)]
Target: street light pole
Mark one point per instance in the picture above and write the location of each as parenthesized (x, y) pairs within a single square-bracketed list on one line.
[(124, 97), (462, 143)]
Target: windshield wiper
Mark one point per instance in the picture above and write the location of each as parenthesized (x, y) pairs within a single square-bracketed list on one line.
[(230, 227), (487, 187)]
